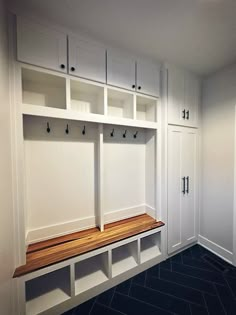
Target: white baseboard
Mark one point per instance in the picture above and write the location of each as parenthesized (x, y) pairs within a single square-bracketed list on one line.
[(122, 214), (216, 249), (51, 231)]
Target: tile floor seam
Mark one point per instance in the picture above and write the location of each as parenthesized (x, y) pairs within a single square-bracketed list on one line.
[(92, 306), (205, 303), (141, 301), (185, 286), (232, 292), (221, 302), (171, 295), (111, 308), (112, 296)]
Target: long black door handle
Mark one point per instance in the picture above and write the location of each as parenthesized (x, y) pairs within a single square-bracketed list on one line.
[(183, 190), (183, 112), (187, 190)]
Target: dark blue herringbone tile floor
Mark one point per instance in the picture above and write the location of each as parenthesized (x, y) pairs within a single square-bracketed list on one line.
[(194, 282)]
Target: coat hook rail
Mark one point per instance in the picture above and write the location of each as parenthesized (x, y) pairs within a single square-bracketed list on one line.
[(48, 128), (112, 133), (124, 134), (83, 132), (135, 135)]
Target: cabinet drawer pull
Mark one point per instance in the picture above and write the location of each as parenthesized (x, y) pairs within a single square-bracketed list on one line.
[(187, 114), (183, 112), (72, 68), (139, 87), (62, 66), (133, 86), (187, 190), (183, 190)]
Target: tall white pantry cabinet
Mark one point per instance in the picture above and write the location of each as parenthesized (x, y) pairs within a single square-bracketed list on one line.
[(183, 95), (91, 145)]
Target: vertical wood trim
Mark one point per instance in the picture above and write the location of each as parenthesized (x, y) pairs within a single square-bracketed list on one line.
[(234, 203), (100, 179), (134, 106), (17, 147), (105, 101), (139, 251), (72, 280), (109, 263), (68, 94)]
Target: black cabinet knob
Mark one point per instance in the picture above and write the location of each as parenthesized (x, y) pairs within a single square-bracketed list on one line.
[(133, 86), (139, 87), (62, 66), (72, 68)]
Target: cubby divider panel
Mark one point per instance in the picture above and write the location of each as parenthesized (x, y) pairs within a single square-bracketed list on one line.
[(150, 247), (87, 98), (43, 89), (124, 258), (91, 272), (47, 291)]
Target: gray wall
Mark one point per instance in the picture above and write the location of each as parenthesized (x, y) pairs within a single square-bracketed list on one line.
[(218, 123), (6, 212)]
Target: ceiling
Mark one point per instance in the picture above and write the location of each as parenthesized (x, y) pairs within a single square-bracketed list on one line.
[(197, 34)]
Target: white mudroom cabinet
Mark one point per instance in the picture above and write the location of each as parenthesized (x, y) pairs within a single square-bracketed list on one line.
[(182, 187)]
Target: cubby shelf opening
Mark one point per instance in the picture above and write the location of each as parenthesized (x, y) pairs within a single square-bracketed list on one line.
[(43, 89), (150, 247), (87, 98), (120, 104), (91, 272), (124, 258), (47, 291), (146, 109)]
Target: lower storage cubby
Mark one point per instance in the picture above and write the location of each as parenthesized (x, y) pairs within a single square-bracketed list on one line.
[(91, 272), (47, 291), (150, 247), (124, 258)]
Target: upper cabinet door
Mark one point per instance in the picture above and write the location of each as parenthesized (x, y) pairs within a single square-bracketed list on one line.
[(176, 111), (120, 70), (183, 97), (148, 78), (192, 96), (87, 59), (41, 46)]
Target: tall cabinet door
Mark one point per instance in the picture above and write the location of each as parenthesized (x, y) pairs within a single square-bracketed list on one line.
[(182, 186), (176, 97), (189, 209), (120, 70), (87, 59), (41, 46), (175, 187)]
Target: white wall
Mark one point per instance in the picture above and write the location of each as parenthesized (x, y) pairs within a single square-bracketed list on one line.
[(218, 123), (6, 217)]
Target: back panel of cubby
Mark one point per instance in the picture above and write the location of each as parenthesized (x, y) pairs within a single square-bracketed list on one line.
[(61, 176), (129, 172)]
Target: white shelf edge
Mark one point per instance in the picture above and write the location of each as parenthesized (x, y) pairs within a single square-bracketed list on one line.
[(35, 110)]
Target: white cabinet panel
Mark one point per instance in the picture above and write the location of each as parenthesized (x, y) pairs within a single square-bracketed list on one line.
[(148, 78), (41, 46), (183, 97), (191, 101), (182, 187), (87, 60), (120, 70), (175, 95)]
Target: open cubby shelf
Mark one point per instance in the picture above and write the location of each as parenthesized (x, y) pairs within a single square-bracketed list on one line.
[(45, 93), (150, 247), (124, 258), (91, 272), (87, 98), (47, 291), (43, 89)]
